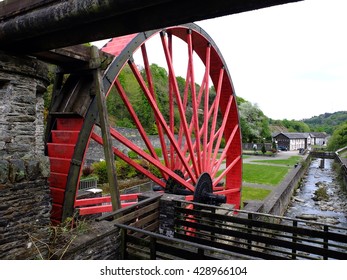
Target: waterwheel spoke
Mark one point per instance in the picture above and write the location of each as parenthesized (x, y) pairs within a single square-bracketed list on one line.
[(179, 101), (214, 108), (137, 121), (151, 89), (171, 107), (143, 154), (206, 106), (195, 118), (227, 169), (97, 138), (219, 133), (223, 156), (161, 119)]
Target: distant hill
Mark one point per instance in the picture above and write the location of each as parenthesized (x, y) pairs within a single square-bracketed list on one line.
[(326, 122)]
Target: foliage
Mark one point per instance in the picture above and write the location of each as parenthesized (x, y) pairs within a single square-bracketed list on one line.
[(133, 155), (87, 170), (125, 170), (254, 124), (263, 149), (100, 170), (327, 122), (291, 125), (339, 138)]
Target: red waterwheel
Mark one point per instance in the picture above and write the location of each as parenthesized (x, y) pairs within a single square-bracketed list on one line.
[(196, 121)]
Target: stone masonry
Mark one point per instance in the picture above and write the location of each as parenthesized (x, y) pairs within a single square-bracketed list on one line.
[(24, 193)]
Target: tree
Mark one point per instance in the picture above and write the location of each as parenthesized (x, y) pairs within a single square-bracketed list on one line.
[(339, 138), (254, 124)]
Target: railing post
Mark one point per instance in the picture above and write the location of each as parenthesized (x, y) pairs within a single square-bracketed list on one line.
[(123, 243), (250, 218), (295, 235), (326, 241), (152, 248), (201, 252)]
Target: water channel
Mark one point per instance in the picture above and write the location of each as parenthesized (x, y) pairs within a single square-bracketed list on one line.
[(305, 205)]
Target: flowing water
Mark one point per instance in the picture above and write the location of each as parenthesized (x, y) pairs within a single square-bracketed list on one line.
[(331, 210)]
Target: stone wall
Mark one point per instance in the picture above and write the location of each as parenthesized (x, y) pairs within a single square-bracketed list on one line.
[(22, 84), (25, 202), (24, 208), (100, 242)]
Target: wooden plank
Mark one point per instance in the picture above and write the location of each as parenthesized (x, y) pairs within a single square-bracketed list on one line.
[(138, 213), (122, 212), (145, 220)]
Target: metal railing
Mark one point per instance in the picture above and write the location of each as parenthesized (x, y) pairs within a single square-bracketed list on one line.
[(88, 183)]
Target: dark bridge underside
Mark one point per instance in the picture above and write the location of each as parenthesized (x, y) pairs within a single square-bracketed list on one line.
[(43, 25)]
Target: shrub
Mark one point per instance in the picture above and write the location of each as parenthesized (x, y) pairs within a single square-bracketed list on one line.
[(87, 170), (158, 151), (133, 155), (125, 170), (100, 170)]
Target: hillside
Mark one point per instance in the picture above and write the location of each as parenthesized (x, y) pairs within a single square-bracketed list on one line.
[(326, 122)]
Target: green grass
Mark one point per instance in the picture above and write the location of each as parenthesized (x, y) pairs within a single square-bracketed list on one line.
[(289, 161), (264, 174), (249, 193)]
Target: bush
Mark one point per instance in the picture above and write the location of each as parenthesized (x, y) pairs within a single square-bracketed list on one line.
[(125, 170), (158, 151), (100, 170), (87, 170), (155, 171), (133, 155)]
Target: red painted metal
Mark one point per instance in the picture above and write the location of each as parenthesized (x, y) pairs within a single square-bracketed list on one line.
[(161, 119), (60, 152), (119, 154), (66, 137), (153, 161), (206, 109), (181, 111)]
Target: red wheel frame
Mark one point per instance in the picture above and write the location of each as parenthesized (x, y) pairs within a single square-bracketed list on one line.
[(196, 147)]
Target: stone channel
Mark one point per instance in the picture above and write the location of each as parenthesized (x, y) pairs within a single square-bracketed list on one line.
[(320, 196)]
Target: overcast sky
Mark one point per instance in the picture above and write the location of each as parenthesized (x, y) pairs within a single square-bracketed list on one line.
[(291, 60)]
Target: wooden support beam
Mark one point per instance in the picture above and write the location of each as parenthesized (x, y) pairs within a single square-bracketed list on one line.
[(105, 130), (65, 23)]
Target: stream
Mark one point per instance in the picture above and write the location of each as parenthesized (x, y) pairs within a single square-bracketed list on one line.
[(331, 209)]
